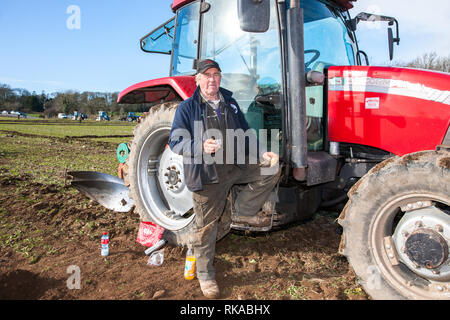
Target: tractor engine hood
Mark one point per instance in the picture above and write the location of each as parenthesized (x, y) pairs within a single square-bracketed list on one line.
[(159, 90), (399, 110)]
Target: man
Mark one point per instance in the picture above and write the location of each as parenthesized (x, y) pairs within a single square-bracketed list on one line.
[(214, 110)]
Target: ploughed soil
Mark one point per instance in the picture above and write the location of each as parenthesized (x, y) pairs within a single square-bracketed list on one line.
[(50, 249)]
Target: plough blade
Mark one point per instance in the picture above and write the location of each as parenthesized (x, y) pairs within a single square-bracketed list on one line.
[(109, 191)]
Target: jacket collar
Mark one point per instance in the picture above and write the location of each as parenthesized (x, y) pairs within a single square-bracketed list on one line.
[(227, 95)]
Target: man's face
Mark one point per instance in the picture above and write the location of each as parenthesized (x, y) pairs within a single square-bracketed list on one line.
[(209, 82)]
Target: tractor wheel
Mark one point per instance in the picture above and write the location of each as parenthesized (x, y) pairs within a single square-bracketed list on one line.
[(397, 227), (156, 179)]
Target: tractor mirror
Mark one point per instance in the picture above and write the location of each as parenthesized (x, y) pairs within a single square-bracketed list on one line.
[(254, 15), (363, 16), (391, 43)]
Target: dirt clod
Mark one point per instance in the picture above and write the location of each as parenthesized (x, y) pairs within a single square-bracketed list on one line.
[(159, 294), (444, 163)]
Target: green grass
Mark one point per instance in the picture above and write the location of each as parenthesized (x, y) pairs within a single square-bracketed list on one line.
[(296, 292), (68, 128), (45, 160)]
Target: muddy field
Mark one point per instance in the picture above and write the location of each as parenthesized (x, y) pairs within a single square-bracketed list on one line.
[(50, 233)]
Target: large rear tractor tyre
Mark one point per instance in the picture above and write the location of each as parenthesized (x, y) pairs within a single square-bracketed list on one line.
[(397, 227), (156, 178)]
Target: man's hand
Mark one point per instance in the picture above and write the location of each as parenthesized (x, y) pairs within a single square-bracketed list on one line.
[(270, 159), (211, 146)]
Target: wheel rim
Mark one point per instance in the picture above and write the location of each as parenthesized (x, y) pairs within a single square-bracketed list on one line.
[(168, 204), (389, 237)]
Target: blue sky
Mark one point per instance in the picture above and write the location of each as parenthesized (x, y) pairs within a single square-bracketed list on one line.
[(424, 27), (39, 52)]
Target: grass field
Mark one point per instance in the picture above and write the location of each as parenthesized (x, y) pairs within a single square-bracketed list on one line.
[(28, 147), (69, 128)]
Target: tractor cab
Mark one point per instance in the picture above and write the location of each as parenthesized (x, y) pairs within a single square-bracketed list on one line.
[(254, 63)]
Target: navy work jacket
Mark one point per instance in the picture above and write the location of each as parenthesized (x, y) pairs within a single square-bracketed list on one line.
[(191, 117)]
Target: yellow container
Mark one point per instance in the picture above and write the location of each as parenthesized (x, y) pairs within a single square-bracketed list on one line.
[(189, 268)]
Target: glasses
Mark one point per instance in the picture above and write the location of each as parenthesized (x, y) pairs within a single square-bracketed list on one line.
[(211, 75)]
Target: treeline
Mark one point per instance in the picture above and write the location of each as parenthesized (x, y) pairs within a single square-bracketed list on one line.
[(67, 102), (429, 61)]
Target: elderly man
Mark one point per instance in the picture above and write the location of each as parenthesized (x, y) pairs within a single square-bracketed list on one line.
[(217, 113)]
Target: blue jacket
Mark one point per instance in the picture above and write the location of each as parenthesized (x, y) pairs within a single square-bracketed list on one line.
[(190, 117)]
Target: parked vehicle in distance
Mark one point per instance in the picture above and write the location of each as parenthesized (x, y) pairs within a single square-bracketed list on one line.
[(19, 114), (102, 115), (79, 116), (130, 117)]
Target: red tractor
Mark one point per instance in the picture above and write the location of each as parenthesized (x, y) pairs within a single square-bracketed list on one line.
[(374, 140)]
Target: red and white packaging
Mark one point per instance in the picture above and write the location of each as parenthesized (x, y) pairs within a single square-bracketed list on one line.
[(149, 233)]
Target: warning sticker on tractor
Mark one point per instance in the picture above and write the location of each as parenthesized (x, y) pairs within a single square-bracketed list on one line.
[(372, 103)]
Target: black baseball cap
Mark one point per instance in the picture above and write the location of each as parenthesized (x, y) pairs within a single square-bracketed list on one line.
[(203, 65)]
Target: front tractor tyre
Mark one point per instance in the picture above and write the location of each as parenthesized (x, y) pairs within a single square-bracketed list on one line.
[(155, 176), (397, 227)]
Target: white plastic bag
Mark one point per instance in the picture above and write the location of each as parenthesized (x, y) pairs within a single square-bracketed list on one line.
[(156, 258)]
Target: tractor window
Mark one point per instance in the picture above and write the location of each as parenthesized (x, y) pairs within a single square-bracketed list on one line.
[(327, 41), (159, 40), (186, 39), (250, 63)]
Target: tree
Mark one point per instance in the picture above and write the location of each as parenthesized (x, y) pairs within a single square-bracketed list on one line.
[(69, 102), (428, 61), (6, 93), (50, 109), (64, 102)]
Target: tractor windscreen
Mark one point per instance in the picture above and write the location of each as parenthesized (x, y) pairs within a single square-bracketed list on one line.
[(250, 63), (327, 40)]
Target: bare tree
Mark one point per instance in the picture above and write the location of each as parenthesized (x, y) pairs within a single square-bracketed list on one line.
[(428, 61)]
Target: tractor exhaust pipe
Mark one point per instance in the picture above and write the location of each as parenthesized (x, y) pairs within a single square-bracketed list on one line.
[(296, 89)]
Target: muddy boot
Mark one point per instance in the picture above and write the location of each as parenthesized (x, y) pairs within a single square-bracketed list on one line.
[(260, 220), (210, 289)]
